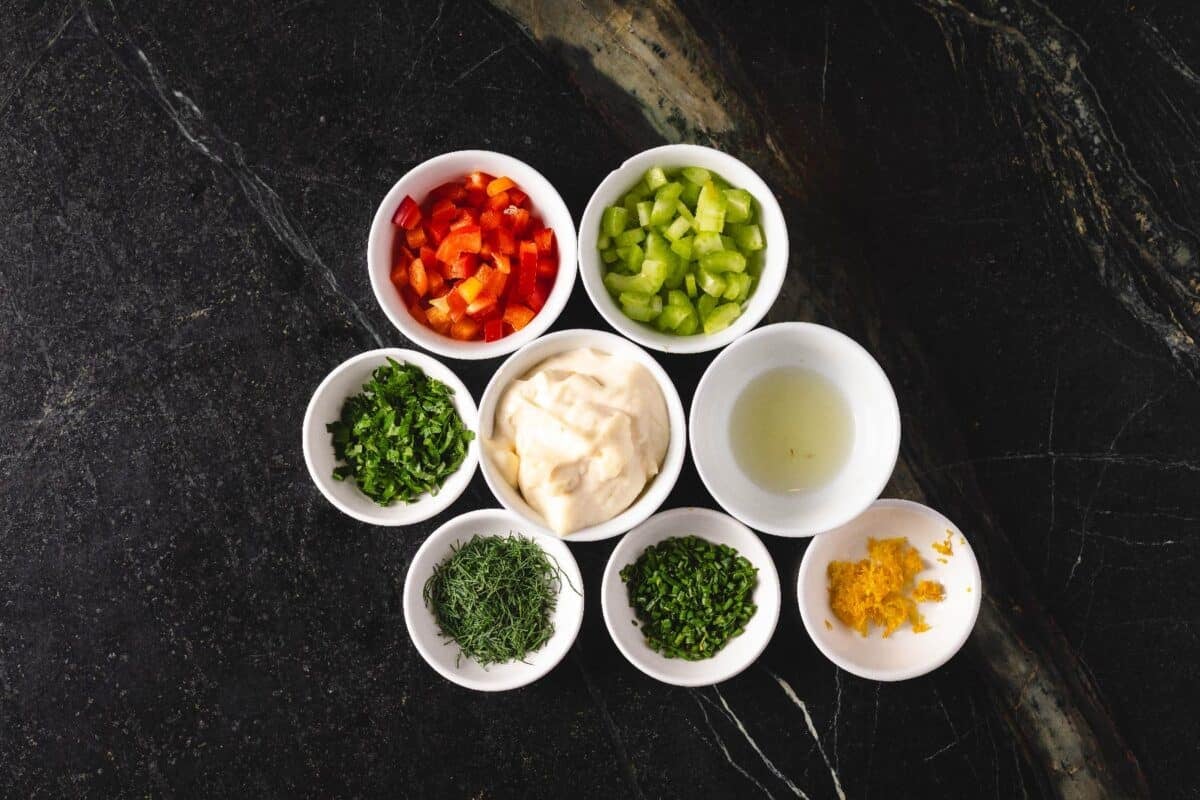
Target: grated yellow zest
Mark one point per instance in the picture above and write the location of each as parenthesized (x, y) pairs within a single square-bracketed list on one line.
[(878, 590)]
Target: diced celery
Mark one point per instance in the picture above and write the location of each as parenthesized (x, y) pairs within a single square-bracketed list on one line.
[(738, 205), (720, 182), (675, 276), (711, 282), (724, 261), (604, 242), (678, 298), (609, 255), (640, 306), (661, 213), (658, 248), (706, 243), (747, 286), (640, 190), (710, 209), (689, 326), (655, 272), (727, 243), (632, 256), (631, 203), (722, 317), (643, 212), (696, 175), (655, 177), (631, 236), (669, 191), (691, 193), (705, 305), (685, 212), (672, 316), (617, 283), (683, 248), (734, 279), (612, 222), (676, 230), (748, 237), (690, 282)]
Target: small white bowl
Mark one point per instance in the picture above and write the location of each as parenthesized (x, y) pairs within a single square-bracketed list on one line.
[(904, 654), (418, 182), (866, 390), (534, 353), (346, 380), (741, 651), (774, 255), (441, 652)]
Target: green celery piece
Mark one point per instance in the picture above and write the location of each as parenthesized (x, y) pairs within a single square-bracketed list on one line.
[(632, 257), (613, 221), (749, 237), (655, 272), (655, 177), (747, 282), (722, 317), (675, 276), (734, 279), (640, 191), (640, 306), (738, 205), (727, 243), (724, 261), (689, 325), (691, 194), (677, 229), (678, 298), (643, 212), (711, 282), (617, 283), (696, 175), (609, 255), (658, 248), (705, 305), (706, 243), (631, 236), (690, 283), (671, 317), (604, 242), (683, 248), (710, 209), (720, 182), (682, 210), (669, 191)]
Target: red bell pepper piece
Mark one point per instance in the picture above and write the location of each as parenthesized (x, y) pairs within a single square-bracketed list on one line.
[(483, 304), (465, 219), (437, 283), (537, 298), (498, 185), (467, 240), (415, 238), (527, 275), (438, 320), (478, 181), (502, 262), (517, 316), (452, 191), (517, 197), (437, 230), (458, 306), (545, 240), (505, 242), (464, 329), (443, 210), (417, 278), (428, 255), (399, 275), (499, 202), (493, 329), (462, 267), (408, 215), (489, 220), (517, 219)]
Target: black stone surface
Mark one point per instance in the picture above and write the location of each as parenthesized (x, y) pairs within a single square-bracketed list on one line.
[(185, 192)]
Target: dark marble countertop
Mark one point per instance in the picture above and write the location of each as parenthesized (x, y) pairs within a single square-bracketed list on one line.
[(185, 193)]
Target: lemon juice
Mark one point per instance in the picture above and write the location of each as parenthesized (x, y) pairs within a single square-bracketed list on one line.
[(791, 430)]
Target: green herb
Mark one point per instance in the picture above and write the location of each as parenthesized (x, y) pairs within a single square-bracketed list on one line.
[(401, 436), (494, 596), (691, 596)]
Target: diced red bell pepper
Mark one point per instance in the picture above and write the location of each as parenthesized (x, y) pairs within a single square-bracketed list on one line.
[(408, 215), (502, 262), (415, 238), (499, 202), (443, 210), (527, 276), (517, 219), (483, 304), (399, 275), (452, 191), (417, 278), (463, 240), (489, 219), (462, 267), (537, 298), (547, 267), (517, 316), (478, 181), (428, 255), (501, 184), (458, 306), (464, 329), (470, 288), (418, 314), (545, 240), (438, 320), (493, 280), (493, 330), (437, 230), (517, 197), (437, 284), (505, 242), (465, 219)]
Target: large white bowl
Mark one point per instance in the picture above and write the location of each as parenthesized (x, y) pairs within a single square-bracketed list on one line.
[(774, 255), (346, 380), (904, 654), (534, 353), (741, 651), (442, 653), (418, 182), (872, 404)]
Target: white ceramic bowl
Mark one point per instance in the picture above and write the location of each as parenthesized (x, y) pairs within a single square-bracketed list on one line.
[(534, 353), (741, 651), (774, 255), (424, 178), (866, 390), (904, 654), (347, 379), (442, 653)]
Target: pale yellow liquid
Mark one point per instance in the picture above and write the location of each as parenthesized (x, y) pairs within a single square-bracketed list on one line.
[(791, 430)]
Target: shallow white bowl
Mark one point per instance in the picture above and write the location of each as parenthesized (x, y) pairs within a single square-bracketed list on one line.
[(347, 379), (866, 390), (904, 654), (741, 651), (441, 653), (418, 182), (534, 353), (621, 180)]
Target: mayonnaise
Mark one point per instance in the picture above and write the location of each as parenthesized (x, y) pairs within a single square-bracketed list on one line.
[(580, 436)]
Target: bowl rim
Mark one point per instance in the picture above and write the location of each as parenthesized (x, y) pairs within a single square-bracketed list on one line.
[(761, 558), (897, 674), (544, 197), (714, 487), (774, 271), (428, 505), (550, 544), (532, 354)]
